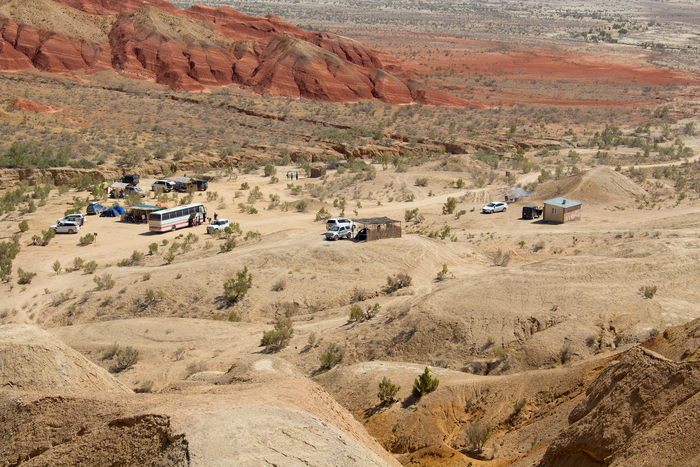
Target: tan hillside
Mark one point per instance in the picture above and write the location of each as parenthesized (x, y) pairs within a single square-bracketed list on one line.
[(34, 360), (599, 185)]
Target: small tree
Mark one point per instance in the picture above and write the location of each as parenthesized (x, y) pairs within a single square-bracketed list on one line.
[(278, 338), (425, 384), (23, 226), (387, 392), (153, 248), (331, 358), (270, 170), (450, 206), (46, 236), (235, 289), (478, 436), (57, 267), (8, 252)]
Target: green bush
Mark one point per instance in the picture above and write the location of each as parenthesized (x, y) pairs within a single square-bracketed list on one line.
[(8, 252), (23, 226), (90, 267), (425, 384), (228, 245), (87, 239), (387, 392), (323, 214), (421, 181), (235, 289), (301, 206), (105, 282), (24, 277), (153, 248), (270, 170), (135, 259), (331, 358), (450, 206), (648, 291), (125, 359), (278, 338), (46, 236), (397, 282), (57, 267)]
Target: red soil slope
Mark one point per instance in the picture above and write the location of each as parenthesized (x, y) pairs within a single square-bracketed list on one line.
[(203, 46)]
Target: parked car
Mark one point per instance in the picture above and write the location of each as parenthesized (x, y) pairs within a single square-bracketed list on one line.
[(202, 185), (77, 218), (95, 208), (219, 224), (66, 227), (134, 190), (166, 185), (130, 179), (339, 231), (496, 206), (337, 221), (531, 212)]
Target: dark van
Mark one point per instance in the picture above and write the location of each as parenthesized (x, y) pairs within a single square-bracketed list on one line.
[(130, 179), (531, 212), (202, 185)]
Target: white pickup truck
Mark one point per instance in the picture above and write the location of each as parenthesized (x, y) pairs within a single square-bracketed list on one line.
[(219, 224)]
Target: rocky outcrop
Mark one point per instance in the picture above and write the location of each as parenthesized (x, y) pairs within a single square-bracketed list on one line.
[(642, 410), (203, 46)]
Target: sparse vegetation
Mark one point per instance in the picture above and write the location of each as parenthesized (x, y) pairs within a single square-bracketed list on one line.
[(236, 288), (648, 291), (279, 337), (399, 281), (425, 384), (387, 392)]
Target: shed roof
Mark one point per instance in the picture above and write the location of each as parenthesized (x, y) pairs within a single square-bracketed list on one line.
[(375, 220), (119, 185), (182, 179), (563, 202)]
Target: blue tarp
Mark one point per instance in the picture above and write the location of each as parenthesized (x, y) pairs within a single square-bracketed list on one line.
[(114, 211)]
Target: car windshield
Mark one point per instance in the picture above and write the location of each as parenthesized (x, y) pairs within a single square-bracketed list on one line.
[(490, 205), (335, 228)]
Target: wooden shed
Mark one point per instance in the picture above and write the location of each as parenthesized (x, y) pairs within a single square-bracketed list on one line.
[(376, 228), (561, 210)]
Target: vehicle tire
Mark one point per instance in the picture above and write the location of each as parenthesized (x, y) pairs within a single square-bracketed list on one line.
[(71, 231)]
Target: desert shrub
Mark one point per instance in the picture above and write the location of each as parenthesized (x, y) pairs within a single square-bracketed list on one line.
[(518, 406), (153, 248), (450, 206), (356, 313), (87, 239), (56, 266), (425, 384), (8, 252), (279, 337), (245, 186), (236, 288), (323, 214), (478, 436), (410, 214), (90, 267), (24, 277), (331, 357), (270, 170), (566, 353), (105, 282), (77, 263), (442, 275), (125, 359), (23, 226), (145, 387), (252, 235), (387, 392), (500, 258), (135, 259), (301, 206), (280, 285), (539, 245), (234, 317), (290, 308), (169, 257), (397, 282), (46, 236), (228, 245), (648, 291), (421, 181)]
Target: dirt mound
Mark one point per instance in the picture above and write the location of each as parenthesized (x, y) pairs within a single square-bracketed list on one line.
[(34, 360), (283, 420), (29, 106), (203, 46), (599, 186), (680, 343), (642, 410)]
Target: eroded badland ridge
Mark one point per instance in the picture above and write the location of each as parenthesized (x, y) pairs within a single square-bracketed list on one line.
[(554, 344)]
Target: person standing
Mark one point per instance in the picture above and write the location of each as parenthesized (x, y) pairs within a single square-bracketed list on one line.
[(216, 216)]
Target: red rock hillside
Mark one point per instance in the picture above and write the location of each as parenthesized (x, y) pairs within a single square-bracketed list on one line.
[(202, 46)]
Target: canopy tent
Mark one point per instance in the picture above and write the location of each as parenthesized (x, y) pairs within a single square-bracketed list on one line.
[(140, 212)]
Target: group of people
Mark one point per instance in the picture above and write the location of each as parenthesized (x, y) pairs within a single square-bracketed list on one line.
[(136, 218), (290, 175)]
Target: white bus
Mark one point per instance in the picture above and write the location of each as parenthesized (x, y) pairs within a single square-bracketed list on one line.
[(177, 218)]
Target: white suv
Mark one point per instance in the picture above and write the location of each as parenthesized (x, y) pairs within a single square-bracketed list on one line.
[(339, 231), (66, 227), (339, 221), (77, 218), (166, 185), (219, 224)]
